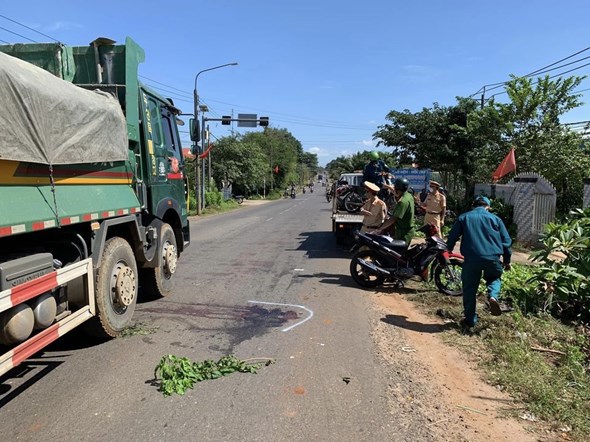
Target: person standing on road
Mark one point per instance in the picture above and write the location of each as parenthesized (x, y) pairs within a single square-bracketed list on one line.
[(374, 210), (402, 218), (484, 240), (435, 206)]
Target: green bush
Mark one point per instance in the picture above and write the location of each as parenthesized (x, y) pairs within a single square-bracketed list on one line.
[(213, 199), (563, 276), (519, 288)]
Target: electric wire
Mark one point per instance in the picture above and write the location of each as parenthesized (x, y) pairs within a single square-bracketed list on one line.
[(19, 35), (544, 72), (29, 28), (536, 72)]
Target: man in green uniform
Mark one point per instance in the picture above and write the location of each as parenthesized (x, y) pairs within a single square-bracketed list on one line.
[(402, 218)]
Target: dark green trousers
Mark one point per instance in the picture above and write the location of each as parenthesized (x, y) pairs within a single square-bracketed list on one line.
[(471, 274)]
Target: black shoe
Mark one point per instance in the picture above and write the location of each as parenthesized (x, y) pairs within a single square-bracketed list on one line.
[(466, 329), (495, 309)]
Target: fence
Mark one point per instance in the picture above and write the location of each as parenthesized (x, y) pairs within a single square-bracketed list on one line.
[(534, 201)]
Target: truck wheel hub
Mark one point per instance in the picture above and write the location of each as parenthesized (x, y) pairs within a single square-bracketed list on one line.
[(125, 285), (170, 259)]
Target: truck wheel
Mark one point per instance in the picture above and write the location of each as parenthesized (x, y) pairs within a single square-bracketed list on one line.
[(159, 282), (116, 289)]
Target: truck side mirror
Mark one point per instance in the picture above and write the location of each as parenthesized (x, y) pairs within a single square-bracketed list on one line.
[(195, 129)]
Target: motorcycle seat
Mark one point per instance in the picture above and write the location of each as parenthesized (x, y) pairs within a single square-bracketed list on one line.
[(389, 241)]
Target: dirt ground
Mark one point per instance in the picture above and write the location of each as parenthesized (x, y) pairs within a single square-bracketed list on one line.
[(441, 382)]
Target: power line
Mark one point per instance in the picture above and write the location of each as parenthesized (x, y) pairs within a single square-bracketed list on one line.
[(548, 70), (559, 61), (16, 33), (553, 76), (164, 84), (4, 41), (299, 119), (536, 72), (30, 29)]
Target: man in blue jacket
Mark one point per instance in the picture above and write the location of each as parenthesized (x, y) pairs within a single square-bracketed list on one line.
[(375, 170), (484, 240)]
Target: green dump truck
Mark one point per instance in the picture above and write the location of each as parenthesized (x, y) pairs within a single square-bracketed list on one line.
[(93, 195)]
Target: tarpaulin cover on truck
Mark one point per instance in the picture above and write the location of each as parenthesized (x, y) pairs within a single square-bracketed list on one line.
[(44, 119)]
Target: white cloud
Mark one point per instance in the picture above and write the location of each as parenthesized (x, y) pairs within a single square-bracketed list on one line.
[(320, 152), (367, 142), (420, 72), (62, 26)]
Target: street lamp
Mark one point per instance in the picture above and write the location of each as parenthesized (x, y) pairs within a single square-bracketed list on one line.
[(201, 195)]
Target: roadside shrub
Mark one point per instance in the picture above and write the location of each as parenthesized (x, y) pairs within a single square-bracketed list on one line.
[(519, 288), (563, 276), (213, 198)]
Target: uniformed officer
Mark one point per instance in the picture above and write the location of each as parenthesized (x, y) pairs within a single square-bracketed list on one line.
[(374, 210), (402, 217), (435, 206)]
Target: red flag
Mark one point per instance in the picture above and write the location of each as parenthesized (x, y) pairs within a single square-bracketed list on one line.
[(276, 169), (206, 153), (507, 165)]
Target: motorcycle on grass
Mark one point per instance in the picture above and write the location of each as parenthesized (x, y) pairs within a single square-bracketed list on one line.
[(383, 259)]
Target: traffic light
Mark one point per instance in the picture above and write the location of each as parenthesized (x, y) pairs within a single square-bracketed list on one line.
[(226, 120), (263, 121)]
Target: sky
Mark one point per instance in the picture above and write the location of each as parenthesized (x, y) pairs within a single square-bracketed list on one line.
[(328, 71)]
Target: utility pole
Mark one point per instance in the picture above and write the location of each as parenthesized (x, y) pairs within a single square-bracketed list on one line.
[(209, 158), (199, 188)]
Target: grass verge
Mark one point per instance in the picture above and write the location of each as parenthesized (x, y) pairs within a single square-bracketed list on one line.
[(539, 361)]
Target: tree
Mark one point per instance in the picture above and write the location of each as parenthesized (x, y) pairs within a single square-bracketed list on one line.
[(241, 163), (530, 123), (435, 138), (357, 161)]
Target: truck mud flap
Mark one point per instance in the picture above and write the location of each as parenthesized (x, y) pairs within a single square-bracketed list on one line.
[(31, 289)]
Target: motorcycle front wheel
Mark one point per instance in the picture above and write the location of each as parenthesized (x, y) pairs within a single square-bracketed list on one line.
[(448, 278), (360, 275)]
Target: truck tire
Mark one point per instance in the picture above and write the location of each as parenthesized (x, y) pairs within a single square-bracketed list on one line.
[(115, 289), (159, 282)]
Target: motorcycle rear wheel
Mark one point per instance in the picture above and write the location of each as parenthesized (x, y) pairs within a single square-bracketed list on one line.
[(353, 202), (448, 278), (361, 276)]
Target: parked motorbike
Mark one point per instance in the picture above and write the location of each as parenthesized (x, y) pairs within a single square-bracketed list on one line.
[(303, 188), (293, 193), (239, 198), (383, 259)]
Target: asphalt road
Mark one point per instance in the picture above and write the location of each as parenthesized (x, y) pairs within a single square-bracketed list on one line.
[(262, 281)]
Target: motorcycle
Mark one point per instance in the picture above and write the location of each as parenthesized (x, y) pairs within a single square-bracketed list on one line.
[(348, 197), (330, 193), (383, 259), (303, 188), (239, 198), (293, 193)]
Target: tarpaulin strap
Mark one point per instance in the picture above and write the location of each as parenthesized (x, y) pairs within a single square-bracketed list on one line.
[(52, 182)]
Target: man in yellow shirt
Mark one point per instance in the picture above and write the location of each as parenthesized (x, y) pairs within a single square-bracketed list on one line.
[(435, 206), (374, 210)]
